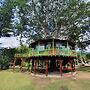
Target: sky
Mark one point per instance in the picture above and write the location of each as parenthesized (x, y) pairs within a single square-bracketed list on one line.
[(9, 42)]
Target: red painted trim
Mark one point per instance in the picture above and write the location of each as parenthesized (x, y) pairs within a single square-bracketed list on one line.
[(74, 67), (46, 67), (61, 67), (35, 65)]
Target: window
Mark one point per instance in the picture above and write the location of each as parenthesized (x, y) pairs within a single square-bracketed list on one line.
[(41, 47), (48, 46)]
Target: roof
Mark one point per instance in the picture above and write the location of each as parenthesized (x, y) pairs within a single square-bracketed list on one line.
[(50, 40)]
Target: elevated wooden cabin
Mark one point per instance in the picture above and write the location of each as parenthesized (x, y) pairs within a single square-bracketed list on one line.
[(50, 55)]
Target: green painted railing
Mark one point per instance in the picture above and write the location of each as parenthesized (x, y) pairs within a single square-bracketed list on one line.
[(48, 52)]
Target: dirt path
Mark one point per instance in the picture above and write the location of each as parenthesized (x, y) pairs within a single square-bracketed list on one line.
[(83, 75)]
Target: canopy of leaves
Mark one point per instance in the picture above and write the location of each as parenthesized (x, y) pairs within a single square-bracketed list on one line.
[(64, 19), (22, 49)]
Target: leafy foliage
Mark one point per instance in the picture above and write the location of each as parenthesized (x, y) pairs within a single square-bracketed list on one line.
[(55, 18), (5, 15), (64, 19), (7, 56), (88, 55), (22, 49)]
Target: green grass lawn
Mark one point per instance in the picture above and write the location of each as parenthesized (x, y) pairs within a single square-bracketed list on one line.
[(10, 80)]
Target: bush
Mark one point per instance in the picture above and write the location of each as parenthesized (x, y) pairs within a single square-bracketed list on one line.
[(88, 55), (6, 56), (22, 49)]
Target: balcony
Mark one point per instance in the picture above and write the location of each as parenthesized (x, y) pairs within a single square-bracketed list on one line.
[(48, 52)]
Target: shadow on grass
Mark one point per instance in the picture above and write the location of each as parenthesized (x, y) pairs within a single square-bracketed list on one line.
[(83, 68)]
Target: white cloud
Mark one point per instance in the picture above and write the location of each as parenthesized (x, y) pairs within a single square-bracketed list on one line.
[(9, 42)]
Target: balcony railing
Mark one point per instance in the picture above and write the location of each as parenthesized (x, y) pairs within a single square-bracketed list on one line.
[(48, 52)]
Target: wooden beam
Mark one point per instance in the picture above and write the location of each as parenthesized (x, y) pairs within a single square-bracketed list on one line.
[(14, 64), (35, 66), (60, 62), (74, 67), (47, 67), (71, 65), (56, 65), (32, 64)]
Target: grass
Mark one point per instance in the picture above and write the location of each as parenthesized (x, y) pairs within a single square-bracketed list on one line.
[(83, 68), (15, 81), (20, 81), (68, 84)]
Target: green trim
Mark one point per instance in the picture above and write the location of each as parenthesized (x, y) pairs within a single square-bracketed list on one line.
[(48, 52)]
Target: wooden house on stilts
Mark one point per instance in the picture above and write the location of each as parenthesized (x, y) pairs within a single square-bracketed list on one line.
[(49, 55)]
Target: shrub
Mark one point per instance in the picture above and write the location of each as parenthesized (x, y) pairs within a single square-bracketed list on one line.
[(6, 56), (22, 49)]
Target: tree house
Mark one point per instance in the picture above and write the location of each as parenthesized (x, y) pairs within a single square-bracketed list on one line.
[(50, 55)]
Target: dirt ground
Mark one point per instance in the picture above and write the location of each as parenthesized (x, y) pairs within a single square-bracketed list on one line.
[(82, 75), (45, 81)]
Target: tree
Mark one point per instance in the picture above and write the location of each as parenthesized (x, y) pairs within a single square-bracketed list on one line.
[(5, 15), (66, 19), (47, 18), (6, 56), (88, 56)]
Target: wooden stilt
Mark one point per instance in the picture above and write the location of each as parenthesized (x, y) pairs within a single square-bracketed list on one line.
[(38, 63), (47, 67), (35, 65), (71, 65), (74, 67), (60, 67), (56, 65), (14, 64), (32, 65), (21, 64)]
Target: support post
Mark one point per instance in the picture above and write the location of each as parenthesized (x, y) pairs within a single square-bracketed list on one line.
[(60, 62), (47, 67), (71, 65), (74, 67), (14, 64), (35, 65), (32, 65), (21, 64), (55, 65)]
